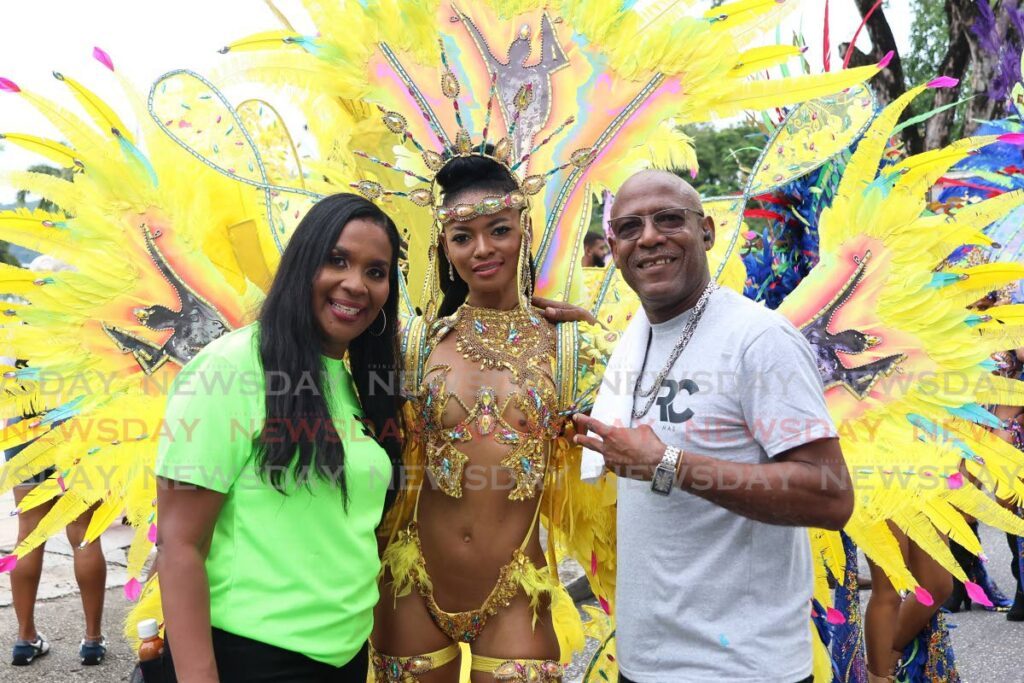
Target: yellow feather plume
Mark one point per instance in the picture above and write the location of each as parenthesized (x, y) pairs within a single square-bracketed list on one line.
[(102, 115), (980, 506), (54, 151), (761, 58)]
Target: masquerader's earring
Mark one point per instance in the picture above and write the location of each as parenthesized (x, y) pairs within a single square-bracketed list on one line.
[(451, 271), (382, 327)]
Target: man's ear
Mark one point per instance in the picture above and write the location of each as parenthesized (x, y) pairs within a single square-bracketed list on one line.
[(709, 233), (612, 242)]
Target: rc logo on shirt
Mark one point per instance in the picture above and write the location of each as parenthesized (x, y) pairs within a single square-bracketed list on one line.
[(668, 411)]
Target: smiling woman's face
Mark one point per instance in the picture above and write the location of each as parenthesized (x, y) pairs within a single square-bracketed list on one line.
[(352, 286), (485, 251)]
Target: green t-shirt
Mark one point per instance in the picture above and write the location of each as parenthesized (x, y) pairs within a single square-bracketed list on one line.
[(295, 571)]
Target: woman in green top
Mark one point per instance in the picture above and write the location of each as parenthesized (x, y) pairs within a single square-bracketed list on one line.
[(282, 462)]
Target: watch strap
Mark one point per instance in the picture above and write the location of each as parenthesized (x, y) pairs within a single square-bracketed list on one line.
[(664, 479)]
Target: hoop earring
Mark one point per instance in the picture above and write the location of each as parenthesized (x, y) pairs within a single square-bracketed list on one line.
[(382, 327)]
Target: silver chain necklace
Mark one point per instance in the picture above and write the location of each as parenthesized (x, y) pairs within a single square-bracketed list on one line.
[(691, 326)]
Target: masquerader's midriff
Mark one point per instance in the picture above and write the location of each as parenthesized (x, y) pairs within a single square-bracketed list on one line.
[(499, 432), (467, 541)]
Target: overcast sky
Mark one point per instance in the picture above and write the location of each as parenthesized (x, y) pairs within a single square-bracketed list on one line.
[(146, 38)]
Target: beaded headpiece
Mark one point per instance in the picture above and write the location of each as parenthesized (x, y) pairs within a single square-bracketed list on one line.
[(463, 145)]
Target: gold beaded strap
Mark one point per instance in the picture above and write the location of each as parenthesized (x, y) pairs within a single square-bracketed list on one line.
[(519, 670), (566, 358), (388, 669), (413, 339)]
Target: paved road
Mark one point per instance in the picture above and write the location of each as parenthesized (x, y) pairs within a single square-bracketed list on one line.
[(989, 649), (61, 620)]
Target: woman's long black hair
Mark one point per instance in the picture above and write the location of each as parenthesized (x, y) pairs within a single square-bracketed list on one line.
[(299, 430), (457, 177)]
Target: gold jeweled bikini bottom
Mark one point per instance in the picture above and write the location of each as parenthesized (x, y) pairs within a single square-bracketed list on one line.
[(466, 626)]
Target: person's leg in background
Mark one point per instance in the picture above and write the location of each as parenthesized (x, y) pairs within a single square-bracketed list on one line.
[(25, 580), (892, 622), (915, 616), (91, 575), (1016, 612), (969, 562), (880, 625)]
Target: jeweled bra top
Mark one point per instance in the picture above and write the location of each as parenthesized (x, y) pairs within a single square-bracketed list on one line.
[(520, 343)]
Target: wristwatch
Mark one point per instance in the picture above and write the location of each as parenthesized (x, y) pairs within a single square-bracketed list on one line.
[(665, 475)]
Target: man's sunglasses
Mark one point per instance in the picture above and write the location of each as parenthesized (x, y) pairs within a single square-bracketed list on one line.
[(666, 221)]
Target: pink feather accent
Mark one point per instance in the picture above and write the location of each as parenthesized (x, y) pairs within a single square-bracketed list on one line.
[(604, 605), (1012, 139), (943, 82), (834, 616), (886, 59), (977, 594), (955, 481), (151, 536), (132, 590), (923, 596), (60, 483), (103, 58), (7, 85), (8, 563), (693, 173)]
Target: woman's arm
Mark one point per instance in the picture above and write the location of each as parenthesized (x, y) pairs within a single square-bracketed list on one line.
[(1009, 415), (187, 515)]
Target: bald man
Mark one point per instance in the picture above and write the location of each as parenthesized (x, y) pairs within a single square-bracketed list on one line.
[(712, 414)]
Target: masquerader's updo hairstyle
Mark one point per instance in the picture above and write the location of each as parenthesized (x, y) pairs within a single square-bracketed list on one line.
[(458, 177), (473, 173)]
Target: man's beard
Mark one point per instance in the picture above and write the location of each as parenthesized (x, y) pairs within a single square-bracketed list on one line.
[(598, 260)]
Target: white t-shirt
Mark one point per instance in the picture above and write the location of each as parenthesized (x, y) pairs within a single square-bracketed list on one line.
[(704, 594)]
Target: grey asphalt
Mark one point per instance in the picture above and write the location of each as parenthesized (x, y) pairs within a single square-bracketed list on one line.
[(989, 649), (60, 619)]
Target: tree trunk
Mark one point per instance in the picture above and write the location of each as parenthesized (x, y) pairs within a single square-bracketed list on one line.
[(960, 14), (891, 82)]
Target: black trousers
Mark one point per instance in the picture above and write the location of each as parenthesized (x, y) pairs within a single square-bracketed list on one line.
[(243, 660), (809, 679)]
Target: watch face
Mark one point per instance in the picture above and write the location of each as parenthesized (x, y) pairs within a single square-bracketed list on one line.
[(664, 480)]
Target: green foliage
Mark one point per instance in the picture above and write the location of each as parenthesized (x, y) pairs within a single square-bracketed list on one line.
[(726, 155), (5, 255), (44, 203), (597, 217), (929, 37)]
